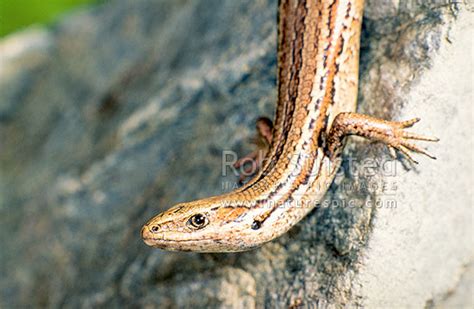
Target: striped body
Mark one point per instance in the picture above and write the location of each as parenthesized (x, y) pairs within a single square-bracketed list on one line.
[(318, 55)]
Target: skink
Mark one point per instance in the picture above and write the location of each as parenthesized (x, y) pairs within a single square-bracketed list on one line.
[(318, 66)]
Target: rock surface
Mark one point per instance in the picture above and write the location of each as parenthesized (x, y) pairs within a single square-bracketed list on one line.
[(120, 111)]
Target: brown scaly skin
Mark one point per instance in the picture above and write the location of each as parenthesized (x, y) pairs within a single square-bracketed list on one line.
[(318, 63), (390, 133)]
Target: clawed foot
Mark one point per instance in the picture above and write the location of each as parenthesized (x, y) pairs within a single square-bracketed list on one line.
[(400, 140), (391, 133)]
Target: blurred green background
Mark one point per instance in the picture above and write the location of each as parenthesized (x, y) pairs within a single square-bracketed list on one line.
[(17, 14)]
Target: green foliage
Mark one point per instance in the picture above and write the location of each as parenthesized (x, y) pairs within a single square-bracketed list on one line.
[(17, 14)]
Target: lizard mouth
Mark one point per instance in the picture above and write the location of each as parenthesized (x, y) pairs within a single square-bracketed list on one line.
[(160, 241), (149, 241), (179, 245)]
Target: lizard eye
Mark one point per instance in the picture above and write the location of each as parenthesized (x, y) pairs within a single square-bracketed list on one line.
[(198, 221)]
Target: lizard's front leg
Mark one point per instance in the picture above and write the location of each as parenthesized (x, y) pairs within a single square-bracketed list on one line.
[(391, 133)]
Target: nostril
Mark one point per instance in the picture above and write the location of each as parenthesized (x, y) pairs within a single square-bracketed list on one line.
[(147, 235), (155, 228)]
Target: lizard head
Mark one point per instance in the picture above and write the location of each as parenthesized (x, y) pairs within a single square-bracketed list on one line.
[(207, 225)]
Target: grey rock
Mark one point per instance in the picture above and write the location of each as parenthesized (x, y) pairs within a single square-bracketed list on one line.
[(119, 111)]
